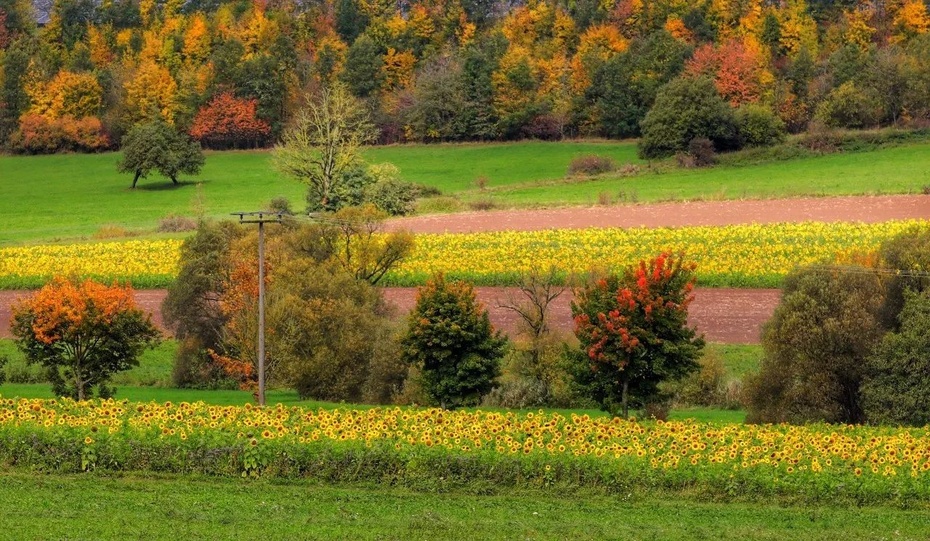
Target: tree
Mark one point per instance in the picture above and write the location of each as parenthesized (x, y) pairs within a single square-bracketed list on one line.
[(83, 333), (324, 143), (158, 146), (229, 122), (354, 239), (684, 110), (896, 389), (633, 331), (907, 257), (450, 339), (815, 348)]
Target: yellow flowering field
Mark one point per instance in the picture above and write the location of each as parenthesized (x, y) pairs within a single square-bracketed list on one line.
[(736, 256), (146, 263), (420, 447)]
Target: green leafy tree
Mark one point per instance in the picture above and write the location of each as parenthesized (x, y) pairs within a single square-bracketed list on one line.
[(686, 109), (323, 145), (907, 257), (450, 339), (633, 333), (82, 333), (897, 387), (363, 74), (159, 147), (815, 348)]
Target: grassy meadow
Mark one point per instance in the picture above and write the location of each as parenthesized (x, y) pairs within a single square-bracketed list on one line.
[(73, 196), (172, 507)]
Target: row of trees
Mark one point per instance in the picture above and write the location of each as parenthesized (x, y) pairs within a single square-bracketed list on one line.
[(232, 73), (330, 334)]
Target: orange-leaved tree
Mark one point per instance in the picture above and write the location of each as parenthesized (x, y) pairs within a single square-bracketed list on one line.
[(633, 332), (83, 332), (230, 122)]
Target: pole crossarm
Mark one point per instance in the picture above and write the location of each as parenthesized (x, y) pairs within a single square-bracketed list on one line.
[(259, 217)]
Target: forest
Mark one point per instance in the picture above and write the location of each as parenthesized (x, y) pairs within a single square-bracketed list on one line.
[(78, 74)]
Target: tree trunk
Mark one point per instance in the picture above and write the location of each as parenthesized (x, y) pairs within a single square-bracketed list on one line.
[(135, 179), (626, 406), (173, 179)]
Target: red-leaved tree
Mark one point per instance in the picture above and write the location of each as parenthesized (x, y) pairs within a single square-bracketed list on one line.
[(230, 122), (633, 332)]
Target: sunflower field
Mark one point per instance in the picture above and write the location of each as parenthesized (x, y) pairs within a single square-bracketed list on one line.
[(474, 450), (730, 256)]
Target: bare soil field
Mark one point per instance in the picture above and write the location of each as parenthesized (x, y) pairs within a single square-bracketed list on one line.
[(732, 316), (867, 209)]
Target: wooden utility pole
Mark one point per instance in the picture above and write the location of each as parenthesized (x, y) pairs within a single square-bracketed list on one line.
[(260, 218)]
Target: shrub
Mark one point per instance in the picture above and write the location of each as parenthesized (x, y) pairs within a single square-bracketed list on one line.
[(451, 341), (705, 387), (3, 361), (909, 251), (484, 203), (546, 127), (701, 150), (442, 204), (395, 197), (280, 204), (759, 126), (174, 223), (111, 231), (591, 165), (685, 109)]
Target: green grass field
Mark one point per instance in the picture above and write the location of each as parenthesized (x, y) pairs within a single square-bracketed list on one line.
[(92, 506), (72, 196)]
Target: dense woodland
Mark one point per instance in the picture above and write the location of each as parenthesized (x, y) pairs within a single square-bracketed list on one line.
[(232, 74)]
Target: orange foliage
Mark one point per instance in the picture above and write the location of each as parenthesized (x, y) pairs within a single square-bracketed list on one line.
[(64, 309), (737, 68), (398, 68), (228, 121), (241, 371), (39, 135)]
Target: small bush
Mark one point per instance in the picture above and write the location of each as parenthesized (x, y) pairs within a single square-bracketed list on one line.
[(544, 127), (481, 183), (176, 224), (849, 107), (821, 138), (3, 361), (604, 199), (281, 204), (707, 386), (437, 205), (759, 126), (485, 203), (591, 165), (629, 169), (111, 231), (395, 197), (702, 152), (519, 393), (20, 371)]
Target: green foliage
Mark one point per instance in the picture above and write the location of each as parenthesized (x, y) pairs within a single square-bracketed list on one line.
[(633, 333), (908, 257), (685, 109), (394, 197), (759, 126), (848, 106), (816, 347), (362, 73), (450, 339), (322, 148), (331, 336), (156, 146), (897, 387), (3, 362), (624, 88)]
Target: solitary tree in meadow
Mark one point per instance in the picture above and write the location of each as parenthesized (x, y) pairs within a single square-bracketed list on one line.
[(159, 147)]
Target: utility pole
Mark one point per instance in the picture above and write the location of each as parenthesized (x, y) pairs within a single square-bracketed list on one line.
[(260, 218)]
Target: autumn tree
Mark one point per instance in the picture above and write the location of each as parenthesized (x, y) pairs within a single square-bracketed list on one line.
[(83, 333), (229, 122), (324, 144), (450, 339), (158, 146), (633, 332)]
